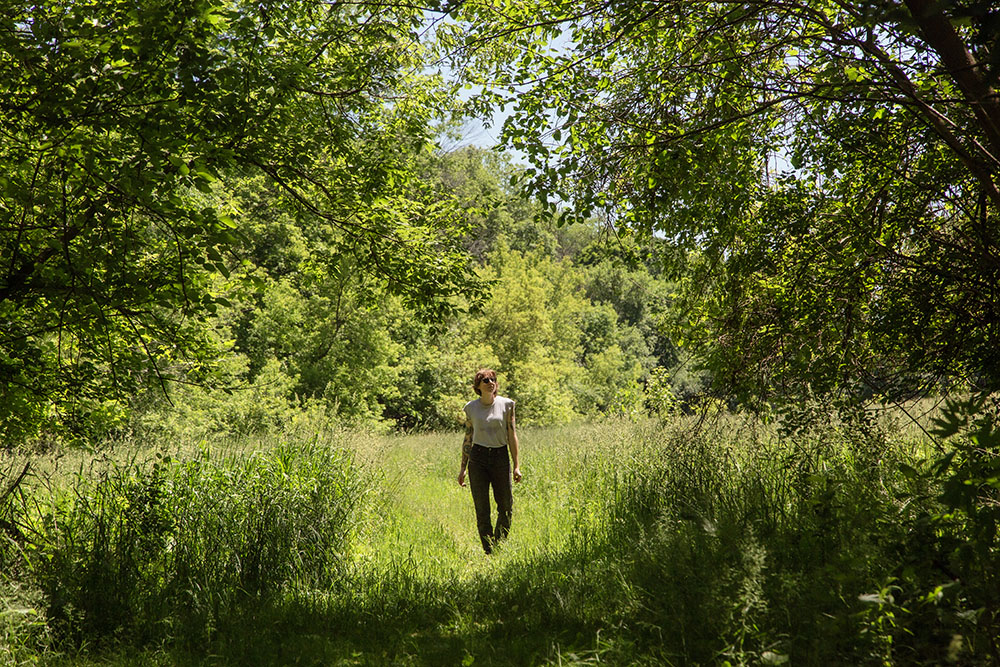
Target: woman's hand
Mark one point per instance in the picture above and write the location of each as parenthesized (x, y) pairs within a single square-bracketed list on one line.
[(517, 474), (461, 477)]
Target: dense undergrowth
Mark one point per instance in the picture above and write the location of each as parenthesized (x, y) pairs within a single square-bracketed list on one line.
[(656, 543)]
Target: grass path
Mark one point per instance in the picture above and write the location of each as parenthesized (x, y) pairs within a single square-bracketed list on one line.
[(429, 511), (427, 514), (437, 598)]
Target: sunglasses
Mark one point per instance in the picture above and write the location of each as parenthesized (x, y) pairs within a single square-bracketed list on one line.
[(490, 380)]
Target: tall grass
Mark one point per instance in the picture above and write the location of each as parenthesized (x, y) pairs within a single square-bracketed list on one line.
[(150, 548), (653, 543)]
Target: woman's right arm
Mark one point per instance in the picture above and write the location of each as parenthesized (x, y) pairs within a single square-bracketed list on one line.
[(466, 451)]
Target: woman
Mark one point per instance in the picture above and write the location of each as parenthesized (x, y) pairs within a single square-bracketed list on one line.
[(489, 434)]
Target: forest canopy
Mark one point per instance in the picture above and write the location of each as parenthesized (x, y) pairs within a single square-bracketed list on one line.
[(130, 132), (826, 173), (226, 214)]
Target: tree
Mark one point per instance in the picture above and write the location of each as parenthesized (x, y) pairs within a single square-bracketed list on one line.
[(826, 172), (122, 126)]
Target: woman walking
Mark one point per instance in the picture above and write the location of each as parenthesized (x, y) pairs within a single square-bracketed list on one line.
[(490, 443)]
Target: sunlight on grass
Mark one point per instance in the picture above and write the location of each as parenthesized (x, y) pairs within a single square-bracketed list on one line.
[(632, 543), (426, 515)]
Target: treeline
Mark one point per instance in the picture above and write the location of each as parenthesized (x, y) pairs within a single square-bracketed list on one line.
[(166, 172), (574, 320), (233, 213)]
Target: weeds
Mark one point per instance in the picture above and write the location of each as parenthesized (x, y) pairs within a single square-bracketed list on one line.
[(149, 550), (632, 544)]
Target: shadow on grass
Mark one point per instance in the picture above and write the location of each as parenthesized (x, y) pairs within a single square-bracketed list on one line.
[(707, 561), (521, 612)]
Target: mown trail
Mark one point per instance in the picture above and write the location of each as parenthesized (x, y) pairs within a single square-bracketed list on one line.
[(427, 516), (436, 597)]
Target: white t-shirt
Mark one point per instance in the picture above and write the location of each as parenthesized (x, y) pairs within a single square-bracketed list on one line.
[(489, 422)]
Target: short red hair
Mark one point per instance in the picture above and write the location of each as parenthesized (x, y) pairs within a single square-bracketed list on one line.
[(484, 373)]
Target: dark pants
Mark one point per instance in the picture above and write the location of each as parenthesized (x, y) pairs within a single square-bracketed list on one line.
[(490, 466)]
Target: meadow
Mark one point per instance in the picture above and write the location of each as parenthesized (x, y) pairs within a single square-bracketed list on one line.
[(677, 542)]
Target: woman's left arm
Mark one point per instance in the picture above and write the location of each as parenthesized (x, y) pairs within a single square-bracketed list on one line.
[(512, 442)]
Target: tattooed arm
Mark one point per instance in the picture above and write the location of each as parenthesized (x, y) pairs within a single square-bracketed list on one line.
[(514, 445), (466, 451)]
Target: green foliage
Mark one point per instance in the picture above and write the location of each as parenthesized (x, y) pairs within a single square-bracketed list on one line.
[(476, 179), (231, 408), (321, 336), (129, 135), (830, 236), (661, 400), (569, 339), (333, 341), (948, 572), (529, 323), (970, 471), (431, 379), (169, 549), (690, 541), (612, 384)]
